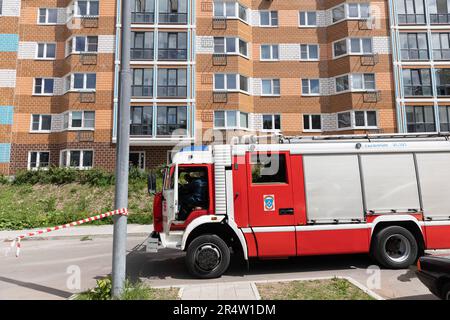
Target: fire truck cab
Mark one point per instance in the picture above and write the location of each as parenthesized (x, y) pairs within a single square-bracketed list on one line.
[(383, 195)]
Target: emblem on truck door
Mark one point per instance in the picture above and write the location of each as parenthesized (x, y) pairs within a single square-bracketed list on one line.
[(269, 202)]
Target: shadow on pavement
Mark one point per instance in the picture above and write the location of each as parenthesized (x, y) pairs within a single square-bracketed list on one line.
[(38, 287), (418, 297)]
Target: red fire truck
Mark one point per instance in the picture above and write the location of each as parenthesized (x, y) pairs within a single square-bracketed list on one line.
[(386, 195)]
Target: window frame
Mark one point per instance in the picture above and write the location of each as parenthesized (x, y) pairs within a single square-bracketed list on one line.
[(424, 123), (40, 130), (88, 9), (45, 51), (236, 46), (366, 124), (310, 122), (46, 16), (68, 126), (348, 47), (42, 93), (308, 52), (84, 89), (68, 158), (272, 115), (237, 114), (307, 24), (236, 15), (273, 15), (310, 93), (225, 81), (272, 94), (38, 160), (271, 50)]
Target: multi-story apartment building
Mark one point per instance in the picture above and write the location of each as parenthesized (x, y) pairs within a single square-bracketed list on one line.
[(208, 70)]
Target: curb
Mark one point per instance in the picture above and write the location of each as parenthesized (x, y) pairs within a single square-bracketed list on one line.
[(61, 237)]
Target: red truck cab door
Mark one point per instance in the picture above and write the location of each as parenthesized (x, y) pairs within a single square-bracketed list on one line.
[(271, 203)]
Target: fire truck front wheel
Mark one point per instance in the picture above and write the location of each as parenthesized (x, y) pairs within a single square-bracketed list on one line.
[(207, 256), (395, 247)]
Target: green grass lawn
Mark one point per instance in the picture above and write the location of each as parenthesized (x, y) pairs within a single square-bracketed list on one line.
[(330, 289), (31, 206)]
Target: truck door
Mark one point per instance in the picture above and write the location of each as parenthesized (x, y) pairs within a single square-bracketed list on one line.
[(270, 203)]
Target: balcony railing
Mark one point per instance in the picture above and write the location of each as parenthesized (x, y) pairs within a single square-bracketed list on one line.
[(440, 18), (443, 90), (141, 130), (220, 97), (89, 21), (172, 18), (143, 17), (411, 91), (88, 58), (219, 23), (169, 129), (371, 96), (87, 97), (141, 91), (441, 54), (141, 54), (369, 59), (414, 54), (172, 91), (219, 59), (411, 19), (172, 54)]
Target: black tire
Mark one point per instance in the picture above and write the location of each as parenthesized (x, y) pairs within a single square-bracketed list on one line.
[(207, 256), (445, 291), (395, 248)]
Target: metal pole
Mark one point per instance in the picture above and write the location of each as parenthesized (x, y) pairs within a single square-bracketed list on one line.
[(122, 154)]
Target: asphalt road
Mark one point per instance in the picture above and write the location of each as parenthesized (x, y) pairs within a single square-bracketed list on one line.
[(55, 269)]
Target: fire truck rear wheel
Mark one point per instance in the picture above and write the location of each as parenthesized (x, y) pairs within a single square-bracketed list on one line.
[(395, 247), (207, 256)]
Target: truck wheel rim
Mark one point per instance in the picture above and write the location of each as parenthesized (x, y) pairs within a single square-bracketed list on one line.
[(208, 257), (397, 248)]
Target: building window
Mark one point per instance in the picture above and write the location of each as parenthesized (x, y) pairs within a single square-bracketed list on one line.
[(365, 119), (41, 122), (342, 83), (312, 122), (420, 119), (86, 8), (443, 82), (172, 46), (230, 10), (363, 81), (410, 12), (142, 85), (230, 119), (271, 122), (439, 11), (38, 160), (173, 11), (269, 52), (310, 87), (270, 87), (172, 83), (338, 13), (268, 18), (308, 18), (83, 44), (356, 46), (143, 11), (48, 16), (142, 45), (1, 7), (46, 51), (309, 52), (171, 120), (344, 120), (441, 46), (414, 46), (416, 82), (43, 86), (84, 81), (230, 82), (79, 120), (444, 118), (141, 121), (358, 10), (78, 159), (230, 46)]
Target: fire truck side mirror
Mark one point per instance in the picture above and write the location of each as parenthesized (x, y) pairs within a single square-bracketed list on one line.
[(151, 183)]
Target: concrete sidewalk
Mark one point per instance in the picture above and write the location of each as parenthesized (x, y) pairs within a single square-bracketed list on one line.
[(79, 231), (221, 291)]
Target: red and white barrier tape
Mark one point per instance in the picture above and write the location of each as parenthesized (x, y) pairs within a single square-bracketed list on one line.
[(16, 242)]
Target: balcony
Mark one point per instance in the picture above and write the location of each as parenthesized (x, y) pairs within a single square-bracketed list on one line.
[(172, 54), (172, 18), (369, 59), (88, 58), (219, 23), (372, 96), (87, 97), (411, 18), (141, 91), (417, 91), (143, 17), (220, 97), (219, 59), (141, 54), (169, 129), (172, 91), (89, 22), (439, 18)]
